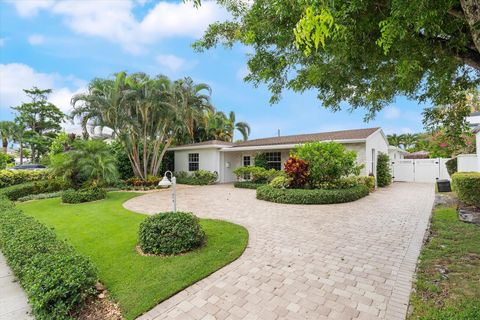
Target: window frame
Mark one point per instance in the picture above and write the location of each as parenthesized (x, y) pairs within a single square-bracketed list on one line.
[(193, 161), (274, 160)]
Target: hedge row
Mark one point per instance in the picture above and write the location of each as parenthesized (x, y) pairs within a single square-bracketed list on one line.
[(248, 184), (56, 279), (29, 188), (197, 178), (13, 177), (467, 187), (83, 195), (311, 196)]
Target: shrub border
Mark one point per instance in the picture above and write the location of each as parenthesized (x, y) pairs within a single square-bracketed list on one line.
[(248, 184), (311, 196), (56, 279)]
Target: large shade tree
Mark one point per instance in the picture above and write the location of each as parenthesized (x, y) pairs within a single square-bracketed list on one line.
[(364, 52)]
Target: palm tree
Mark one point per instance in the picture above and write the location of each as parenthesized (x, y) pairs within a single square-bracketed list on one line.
[(96, 162), (408, 140), (394, 140), (145, 115), (241, 126), (7, 131)]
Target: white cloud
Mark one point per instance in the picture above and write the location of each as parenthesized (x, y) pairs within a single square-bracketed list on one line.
[(391, 113), (36, 39), (115, 21), (171, 62), (17, 76), (29, 8)]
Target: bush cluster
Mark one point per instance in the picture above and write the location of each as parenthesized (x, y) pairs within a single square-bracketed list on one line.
[(40, 196), (13, 177), (29, 188), (327, 161), (200, 177), (138, 182), (349, 182), (311, 196), (248, 184), (452, 166), (257, 174), (260, 160), (467, 187), (281, 182), (170, 233), (384, 177), (83, 195), (55, 278), (297, 170)]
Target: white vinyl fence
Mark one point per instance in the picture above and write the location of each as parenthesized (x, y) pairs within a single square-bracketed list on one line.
[(419, 170), (467, 163)]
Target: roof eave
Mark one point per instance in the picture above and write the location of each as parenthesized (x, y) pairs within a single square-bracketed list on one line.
[(284, 145)]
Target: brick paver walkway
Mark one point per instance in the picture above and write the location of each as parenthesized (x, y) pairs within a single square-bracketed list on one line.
[(344, 261)]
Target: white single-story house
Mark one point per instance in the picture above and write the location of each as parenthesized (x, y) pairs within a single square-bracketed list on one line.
[(396, 153), (223, 157)]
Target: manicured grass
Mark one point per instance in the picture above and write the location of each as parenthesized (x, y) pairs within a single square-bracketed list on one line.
[(107, 233), (448, 275)]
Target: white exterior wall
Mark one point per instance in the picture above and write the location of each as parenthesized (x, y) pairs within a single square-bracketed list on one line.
[(478, 150), (467, 163), (359, 148), (208, 159), (378, 143), (395, 155)]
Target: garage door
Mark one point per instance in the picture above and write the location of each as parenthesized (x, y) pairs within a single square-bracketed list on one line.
[(419, 170)]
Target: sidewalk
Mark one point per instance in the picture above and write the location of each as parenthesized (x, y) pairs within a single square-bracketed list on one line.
[(13, 300)]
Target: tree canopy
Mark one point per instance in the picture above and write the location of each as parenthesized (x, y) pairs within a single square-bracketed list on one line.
[(364, 52)]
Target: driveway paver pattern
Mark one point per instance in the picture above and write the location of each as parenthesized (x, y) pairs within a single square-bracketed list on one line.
[(345, 261)]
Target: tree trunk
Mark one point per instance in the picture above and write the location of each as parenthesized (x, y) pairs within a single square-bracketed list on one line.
[(5, 145), (471, 9), (21, 152)]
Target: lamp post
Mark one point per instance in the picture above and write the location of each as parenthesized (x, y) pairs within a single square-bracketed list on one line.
[(165, 183)]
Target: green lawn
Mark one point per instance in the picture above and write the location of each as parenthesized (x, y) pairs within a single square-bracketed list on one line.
[(107, 233), (448, 275)]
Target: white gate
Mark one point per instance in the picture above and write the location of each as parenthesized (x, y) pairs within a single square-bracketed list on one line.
[(419, 170)]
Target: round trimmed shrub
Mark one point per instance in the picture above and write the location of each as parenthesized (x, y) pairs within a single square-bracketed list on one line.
[(83, 195), (170, 233), (311, 196)]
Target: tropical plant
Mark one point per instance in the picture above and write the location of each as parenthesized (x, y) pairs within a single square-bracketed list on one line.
[(384, 177), (327, 161), (394, 140), (145, 115), (260, 160), (7, 131), (89, 162), (297, 170), (216, 125)]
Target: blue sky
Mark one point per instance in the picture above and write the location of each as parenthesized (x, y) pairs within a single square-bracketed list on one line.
[(64, 44)]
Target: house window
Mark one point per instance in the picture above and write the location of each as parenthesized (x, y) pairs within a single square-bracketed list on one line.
[(193, 162), (246, 163), (274, 160)]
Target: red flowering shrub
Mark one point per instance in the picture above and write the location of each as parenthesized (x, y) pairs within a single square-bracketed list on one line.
[(297, 170)]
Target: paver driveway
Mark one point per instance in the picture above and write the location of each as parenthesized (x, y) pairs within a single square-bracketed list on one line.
[(344, 261)]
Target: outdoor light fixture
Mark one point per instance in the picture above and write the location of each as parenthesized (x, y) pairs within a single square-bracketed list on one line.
[(165, 183)]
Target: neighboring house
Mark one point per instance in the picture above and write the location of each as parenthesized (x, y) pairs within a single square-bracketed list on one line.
[(418, 155), (396, 153), (223, 157)]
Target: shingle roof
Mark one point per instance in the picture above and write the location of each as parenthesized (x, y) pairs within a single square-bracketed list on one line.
[(355, 134), (207, 143)]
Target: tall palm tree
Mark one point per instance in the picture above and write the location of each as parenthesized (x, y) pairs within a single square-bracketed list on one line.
[(7, 131), (394, 140), (408, 140), (242, 127)]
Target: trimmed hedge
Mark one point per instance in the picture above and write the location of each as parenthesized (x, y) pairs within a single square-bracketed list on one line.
[(248, 184), (467, 187), (83, 195), (451, 165), (384, 177), (170, 233), (311, 196), (25, 189), (13, 177), (55, 278), (197, 178)]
